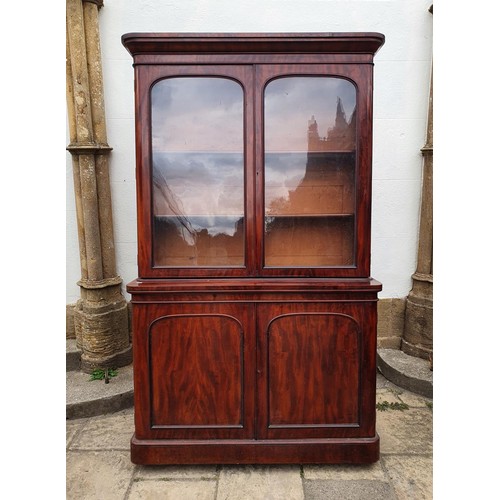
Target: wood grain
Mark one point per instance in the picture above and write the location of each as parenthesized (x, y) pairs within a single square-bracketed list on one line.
[(196, 370)]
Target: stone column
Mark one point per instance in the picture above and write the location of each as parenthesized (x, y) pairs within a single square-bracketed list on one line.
[(417, 334), (101, 315)]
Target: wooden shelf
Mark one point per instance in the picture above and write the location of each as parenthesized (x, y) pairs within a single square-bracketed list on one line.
[(306, 152), (225, 216), (312, 216)]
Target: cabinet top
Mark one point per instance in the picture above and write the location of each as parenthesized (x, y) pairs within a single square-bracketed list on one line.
[(253, 43)]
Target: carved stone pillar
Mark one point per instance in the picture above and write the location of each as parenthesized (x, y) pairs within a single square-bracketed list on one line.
[(101, 316), (417, 335)]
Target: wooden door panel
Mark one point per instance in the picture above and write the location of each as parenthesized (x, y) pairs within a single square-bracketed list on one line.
[(196, 371), (316, 376), (313, 361)]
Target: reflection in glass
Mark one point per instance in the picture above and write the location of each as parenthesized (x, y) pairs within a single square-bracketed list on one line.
[(198, 172), (310, 158)]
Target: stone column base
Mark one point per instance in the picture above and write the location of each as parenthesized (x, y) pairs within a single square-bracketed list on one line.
[(123, 358), (102, 329), (417, 351), (417, 336)]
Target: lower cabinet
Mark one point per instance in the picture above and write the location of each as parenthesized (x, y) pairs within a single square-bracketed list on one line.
[(265, 374)]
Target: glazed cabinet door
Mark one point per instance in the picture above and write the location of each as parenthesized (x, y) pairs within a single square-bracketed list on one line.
[(194, 371), (195, 186), (313, 170), (316, 370)]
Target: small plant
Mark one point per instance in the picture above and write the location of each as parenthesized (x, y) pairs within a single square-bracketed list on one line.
[(103, 374), (429, 404), (385, 405)]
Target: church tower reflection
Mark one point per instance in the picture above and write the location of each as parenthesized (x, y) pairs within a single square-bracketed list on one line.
[(314, 222), (328, 182), (340, 137)]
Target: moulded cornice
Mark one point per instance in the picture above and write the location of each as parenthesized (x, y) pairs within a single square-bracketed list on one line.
[(253, 43)]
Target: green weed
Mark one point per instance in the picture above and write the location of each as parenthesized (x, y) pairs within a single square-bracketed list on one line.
[(100, 374), (385, 405)]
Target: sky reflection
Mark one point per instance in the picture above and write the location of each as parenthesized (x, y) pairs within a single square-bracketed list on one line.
[(197, 114)]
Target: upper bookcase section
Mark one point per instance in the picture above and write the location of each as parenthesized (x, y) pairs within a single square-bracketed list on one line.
[(253, 153), (147, 48)]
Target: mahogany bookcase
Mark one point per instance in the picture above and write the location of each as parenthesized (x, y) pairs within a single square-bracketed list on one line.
[(254, 313)]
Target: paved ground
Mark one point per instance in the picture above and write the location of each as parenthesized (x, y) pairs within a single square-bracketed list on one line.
[(99, 467)]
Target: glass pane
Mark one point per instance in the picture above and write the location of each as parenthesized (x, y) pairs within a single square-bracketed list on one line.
[(310, 159), (198, 172)]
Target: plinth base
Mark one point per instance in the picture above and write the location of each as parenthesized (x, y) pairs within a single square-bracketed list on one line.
[(306, 451)]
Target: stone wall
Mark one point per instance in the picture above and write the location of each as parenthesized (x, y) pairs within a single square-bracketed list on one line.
[(391, 319)]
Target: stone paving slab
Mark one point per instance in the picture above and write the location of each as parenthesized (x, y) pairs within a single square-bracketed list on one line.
[(254, 482), (112, 431), (344, 472), (173, 490), (93, 475), (411, 476), (73, 427), (408, 432), (360, 490), (167, 472), (99, 467)]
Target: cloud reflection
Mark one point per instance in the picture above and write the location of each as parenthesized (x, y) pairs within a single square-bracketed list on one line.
[(197, 114)]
